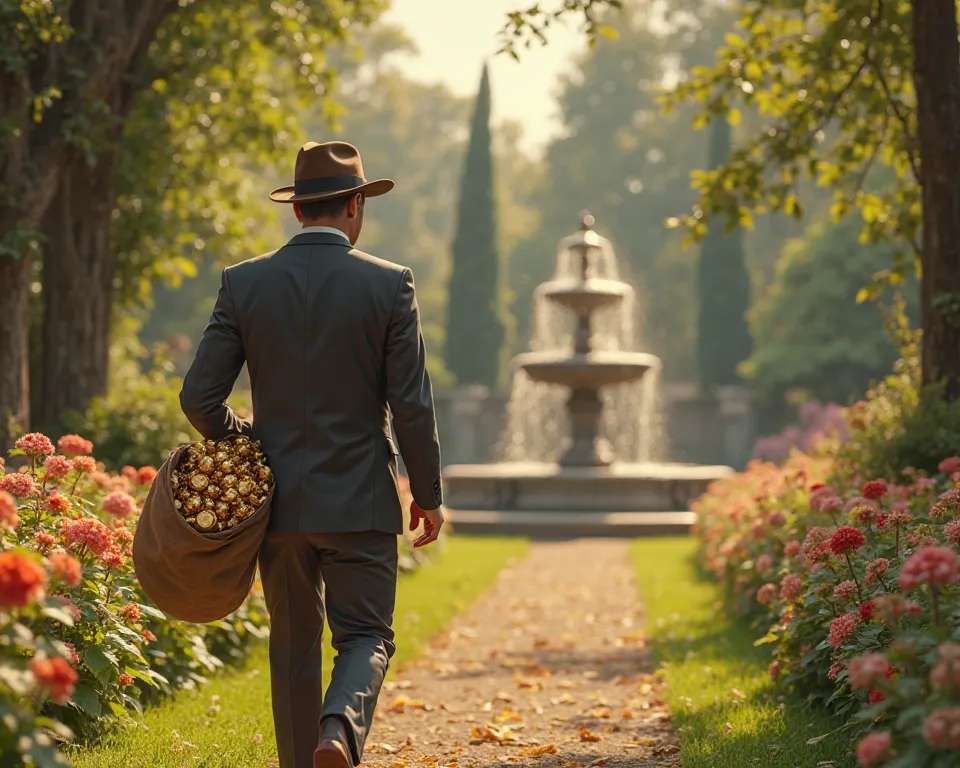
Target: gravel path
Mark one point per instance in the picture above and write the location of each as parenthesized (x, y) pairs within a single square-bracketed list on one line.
[(549, 668)]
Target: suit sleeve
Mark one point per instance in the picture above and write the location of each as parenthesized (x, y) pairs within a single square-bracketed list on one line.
[(410, 397), (214, 371)]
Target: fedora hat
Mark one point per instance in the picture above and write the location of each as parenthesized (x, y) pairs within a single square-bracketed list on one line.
[(329, 170)]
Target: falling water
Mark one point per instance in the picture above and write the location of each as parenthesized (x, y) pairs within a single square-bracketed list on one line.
[(537, 424)]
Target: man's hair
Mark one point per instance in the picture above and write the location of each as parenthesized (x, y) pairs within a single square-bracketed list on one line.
[(325, 209)]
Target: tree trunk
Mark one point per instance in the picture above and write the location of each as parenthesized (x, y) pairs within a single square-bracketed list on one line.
[(14, 348), (78, 265), (937, 82)]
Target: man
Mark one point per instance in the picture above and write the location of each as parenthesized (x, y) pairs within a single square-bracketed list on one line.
[(331, 338)]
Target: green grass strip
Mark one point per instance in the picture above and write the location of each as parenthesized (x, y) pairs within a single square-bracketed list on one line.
[(727, 711), (189, 729)]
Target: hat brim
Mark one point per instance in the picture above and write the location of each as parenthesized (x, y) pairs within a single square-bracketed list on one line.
[(369, 189)]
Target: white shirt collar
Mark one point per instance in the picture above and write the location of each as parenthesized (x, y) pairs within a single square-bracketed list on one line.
[(326, 231)]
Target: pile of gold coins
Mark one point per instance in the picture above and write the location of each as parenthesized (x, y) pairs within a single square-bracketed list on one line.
[(219, 483)]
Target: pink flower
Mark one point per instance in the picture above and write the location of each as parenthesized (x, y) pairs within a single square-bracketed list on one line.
[(57, 503), (776, 519), (69, 606), (893, 606), (875, 489), (87, 531), (874, 749), (867, 670), (842, 628), (935, 566), (74, 445), (767, 594), (900, 513), (792, 549), (44, 541), (58, 467), (791, 588), (950, 465), (822, 494), (8, 512), (148, 636), (844, 590), (118, 504), (35, 444), (764, 563), (835, 669), (846, 539), (876, 569), (952, 531), (774, 670), (72, 653), (129, 472), (85, 464), (124, 680), (945, 673), (18, 484), (946, 503), (819, 553), (941, 729)]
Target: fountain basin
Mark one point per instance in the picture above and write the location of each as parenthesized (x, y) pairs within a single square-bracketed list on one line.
[(591, 370), (584, 296), (533, 498)]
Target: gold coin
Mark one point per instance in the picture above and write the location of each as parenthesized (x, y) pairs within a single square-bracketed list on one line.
[(199, 481), (206, 520)]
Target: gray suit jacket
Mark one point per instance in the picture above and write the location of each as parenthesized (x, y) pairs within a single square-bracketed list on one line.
[(331, 338)]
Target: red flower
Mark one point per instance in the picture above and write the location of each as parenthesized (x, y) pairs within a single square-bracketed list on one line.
[(22, 580), (74, 445), (57, 503), (58, 467), (118, 504), (56, 676), (875, 489), (18, 484), (847, 539), (148, 635), (842, 627), (874, 749), (8, 511), (950, 466), (87, 531), (130, 612), (941, 729), (65, 567), (866, 610), (774, 670), (124, 680), (146, 475), (85, 464), (866, 670), (876, 696)]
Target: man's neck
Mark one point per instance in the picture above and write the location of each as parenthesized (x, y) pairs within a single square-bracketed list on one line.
[(330, 229)]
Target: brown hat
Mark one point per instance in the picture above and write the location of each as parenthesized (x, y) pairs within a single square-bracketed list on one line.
[(329, 170)]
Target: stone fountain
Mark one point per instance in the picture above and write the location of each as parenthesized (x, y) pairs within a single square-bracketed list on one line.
[(569, 480)]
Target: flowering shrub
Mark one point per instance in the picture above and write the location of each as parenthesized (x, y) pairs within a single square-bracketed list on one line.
[(80, 643), (857, 583), (817, 421)]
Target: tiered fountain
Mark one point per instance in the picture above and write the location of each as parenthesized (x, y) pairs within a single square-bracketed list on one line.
[(577, 485)]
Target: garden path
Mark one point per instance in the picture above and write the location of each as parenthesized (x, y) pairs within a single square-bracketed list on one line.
[(548, 668)]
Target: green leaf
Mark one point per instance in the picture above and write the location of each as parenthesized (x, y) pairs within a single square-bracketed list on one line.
[(57, 612), (608, 32), (102, 663), (87, 700), (770, 637)]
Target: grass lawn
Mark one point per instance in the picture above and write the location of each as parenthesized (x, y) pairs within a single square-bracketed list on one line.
[(727, 712), (190, 730)]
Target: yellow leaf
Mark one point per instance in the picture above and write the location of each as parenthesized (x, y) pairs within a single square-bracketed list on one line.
[(733, 117), (586, 735), (549, 749)]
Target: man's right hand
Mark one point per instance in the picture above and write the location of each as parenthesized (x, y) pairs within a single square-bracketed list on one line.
[(432, 523)]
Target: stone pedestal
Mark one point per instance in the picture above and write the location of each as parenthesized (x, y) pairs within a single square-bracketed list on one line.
[(735, 405)]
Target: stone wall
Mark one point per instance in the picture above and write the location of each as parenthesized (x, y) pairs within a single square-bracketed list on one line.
[(719, 430)]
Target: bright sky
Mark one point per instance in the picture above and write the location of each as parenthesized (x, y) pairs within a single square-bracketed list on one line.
[(454, 38)]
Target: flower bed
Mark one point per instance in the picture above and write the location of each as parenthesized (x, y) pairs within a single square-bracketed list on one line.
[(81, 647), (855, 582)]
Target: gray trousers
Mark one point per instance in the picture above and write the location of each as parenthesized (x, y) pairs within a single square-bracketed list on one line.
[(352, 578)]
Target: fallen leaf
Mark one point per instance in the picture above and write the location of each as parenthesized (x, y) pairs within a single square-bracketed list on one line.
[(666, 749), (496, 734), (600, 762), (626, 714), (401, 703), (508, 717), (599, 714), (586, 735), (549, 749)]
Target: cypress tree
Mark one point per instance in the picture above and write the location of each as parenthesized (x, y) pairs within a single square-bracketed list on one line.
[(723, 337), (476, 314)]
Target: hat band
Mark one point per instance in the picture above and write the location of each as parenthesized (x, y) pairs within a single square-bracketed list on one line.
[(326, 184)]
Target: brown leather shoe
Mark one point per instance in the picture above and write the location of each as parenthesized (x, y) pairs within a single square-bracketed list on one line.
[(332, 751)]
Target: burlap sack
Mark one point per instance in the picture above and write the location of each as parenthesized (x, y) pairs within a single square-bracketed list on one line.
[(193, 576)]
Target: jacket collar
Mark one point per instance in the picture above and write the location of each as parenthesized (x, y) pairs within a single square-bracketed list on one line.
[(319, 238)]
